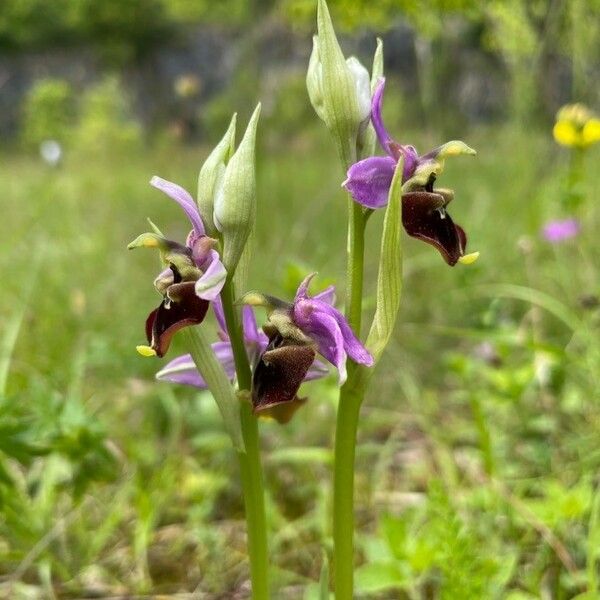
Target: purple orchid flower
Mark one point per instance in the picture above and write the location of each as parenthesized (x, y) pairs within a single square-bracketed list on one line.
[(300, 329), (183, 370), (424, 213), (318, 319), (193, 277)]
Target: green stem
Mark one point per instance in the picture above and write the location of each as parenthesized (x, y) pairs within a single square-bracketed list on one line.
[(574, 179), (236, 337), (250, 467), (357, 221), (351, 397)]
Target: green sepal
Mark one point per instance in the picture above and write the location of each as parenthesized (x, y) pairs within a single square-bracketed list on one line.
[(216, 379), (155, 228), (389, 276)]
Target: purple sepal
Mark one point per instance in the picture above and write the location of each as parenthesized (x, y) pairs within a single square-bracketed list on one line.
[(369, 180), (183, 198), (376, 118), (330, 330)]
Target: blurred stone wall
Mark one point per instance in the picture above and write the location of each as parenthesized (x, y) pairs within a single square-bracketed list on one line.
[(471, 81)]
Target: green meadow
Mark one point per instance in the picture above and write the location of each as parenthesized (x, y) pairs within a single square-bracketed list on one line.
[(478, 453)]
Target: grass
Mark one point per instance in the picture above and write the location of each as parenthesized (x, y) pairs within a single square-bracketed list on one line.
[(478, 455)]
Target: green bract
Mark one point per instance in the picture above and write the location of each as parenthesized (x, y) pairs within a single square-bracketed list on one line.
[(217, 381), (235, 199), (210, 178), (389, 276)]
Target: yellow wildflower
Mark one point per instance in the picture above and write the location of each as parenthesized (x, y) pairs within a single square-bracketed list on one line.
[(576, 126)]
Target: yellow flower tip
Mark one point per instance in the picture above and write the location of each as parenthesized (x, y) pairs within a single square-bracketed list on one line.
[(456, 148), (148, 240), (145, 350), (469, 259)]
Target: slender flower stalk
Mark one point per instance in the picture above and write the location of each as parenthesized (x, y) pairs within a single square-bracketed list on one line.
[(350, 400), (250, 465)]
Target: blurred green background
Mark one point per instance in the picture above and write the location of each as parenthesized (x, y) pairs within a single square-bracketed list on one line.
[(477, 469)]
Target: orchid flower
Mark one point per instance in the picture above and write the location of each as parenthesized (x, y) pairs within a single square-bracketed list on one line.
[(193, 276), (424, 213), (296, 332)]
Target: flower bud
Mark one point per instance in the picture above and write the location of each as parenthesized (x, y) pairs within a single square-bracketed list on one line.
[(362, 87), (338, 89), (235, 199), (210, 178)]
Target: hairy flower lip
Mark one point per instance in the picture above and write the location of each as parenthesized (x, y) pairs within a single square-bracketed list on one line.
[(424, 217), (280, 371), (180, 308)]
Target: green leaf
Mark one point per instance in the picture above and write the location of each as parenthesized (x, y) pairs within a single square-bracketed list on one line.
[(389, 277), (219, 385), (537, 298), (324, 578), (395, 531), (379, 576), (240, 279), (593, 544)]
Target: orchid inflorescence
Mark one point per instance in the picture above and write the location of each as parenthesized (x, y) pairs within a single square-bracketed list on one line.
[(283, 354), (254, 371)]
